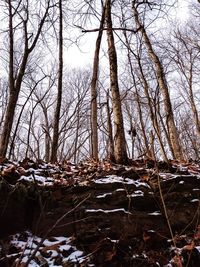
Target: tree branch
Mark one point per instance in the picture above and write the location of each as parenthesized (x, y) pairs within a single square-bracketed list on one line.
[(113, 29)]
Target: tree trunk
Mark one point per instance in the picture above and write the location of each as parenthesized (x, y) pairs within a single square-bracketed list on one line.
[(94, 124), (174, 138), (192, 102), (148, 151), (47, 134), (153, 114), (59, 95), (119, 135), (110, 148)]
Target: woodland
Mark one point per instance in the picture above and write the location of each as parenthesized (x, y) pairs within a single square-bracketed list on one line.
[(100, 163)]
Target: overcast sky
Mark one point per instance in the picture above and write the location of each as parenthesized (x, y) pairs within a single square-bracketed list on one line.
[(83, 55)]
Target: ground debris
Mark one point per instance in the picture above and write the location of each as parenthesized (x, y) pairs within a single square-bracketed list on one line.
[(122, 221)]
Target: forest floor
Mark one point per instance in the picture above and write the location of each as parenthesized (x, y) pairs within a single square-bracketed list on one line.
[(99, 214)]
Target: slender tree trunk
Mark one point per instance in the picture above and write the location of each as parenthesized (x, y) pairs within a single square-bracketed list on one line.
[(54, 150), (28, 135), (174, 138), (146, 142), (47, 135), (153, 115), (110, 131), (11, 150), (119, 135), (77, 132), (148, 151), (192, 102), (94, 124)]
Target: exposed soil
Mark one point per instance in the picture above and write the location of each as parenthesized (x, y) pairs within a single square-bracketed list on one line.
[(118, 216)]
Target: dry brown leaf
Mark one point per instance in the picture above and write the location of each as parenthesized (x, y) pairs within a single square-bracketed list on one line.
[(197, 234), (8, 170), (109, 255), (21, 171), (189, 246), (19, 264), (52, 247), (177, 261)]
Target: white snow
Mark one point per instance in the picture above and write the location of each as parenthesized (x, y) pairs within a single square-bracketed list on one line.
[(120, 189), (108, 211), (104, 195), (117, 179), (75, 256), (40, 179), (64, 247), (48, 243), (195, 200), (113, 240), (30, 242), (155, 213), (198, 247), (137, 193)]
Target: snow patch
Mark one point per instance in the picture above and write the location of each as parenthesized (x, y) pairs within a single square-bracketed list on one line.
[(108, 211), (155, 213), (117, 179), (104, 195)]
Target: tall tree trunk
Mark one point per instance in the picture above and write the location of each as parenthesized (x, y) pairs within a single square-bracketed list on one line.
[(192, 102), (119, 135), (146, 141), (174, 138), (77, 132), (147, 146), (47, 134), (153, 114), (54, 149), (110, 148), (94, 124)]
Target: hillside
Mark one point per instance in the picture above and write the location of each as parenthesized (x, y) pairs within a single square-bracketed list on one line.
[(100, 214)]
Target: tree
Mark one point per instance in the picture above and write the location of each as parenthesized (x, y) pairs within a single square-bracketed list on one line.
[(171, 127), (186, 57), (59, 94), (120, 152), (94, 130), (16, 75)]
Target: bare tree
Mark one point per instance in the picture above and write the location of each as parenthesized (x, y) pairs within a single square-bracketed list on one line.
[(186, 57), (94, 124), (173, 134), (16, 76), (119, 135), (60, 85)]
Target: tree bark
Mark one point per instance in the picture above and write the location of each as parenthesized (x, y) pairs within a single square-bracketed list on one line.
[(94, 124), (110, 148), (54, 150), (192, 101), (120, 151)]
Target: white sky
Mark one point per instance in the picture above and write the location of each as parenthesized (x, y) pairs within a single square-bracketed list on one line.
[(82, 56)]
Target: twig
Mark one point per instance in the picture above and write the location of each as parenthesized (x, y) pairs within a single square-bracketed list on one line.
[(113, 29), (52, 228), (165, 210)]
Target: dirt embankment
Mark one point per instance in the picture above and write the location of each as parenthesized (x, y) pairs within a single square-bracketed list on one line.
[(119, 216)]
